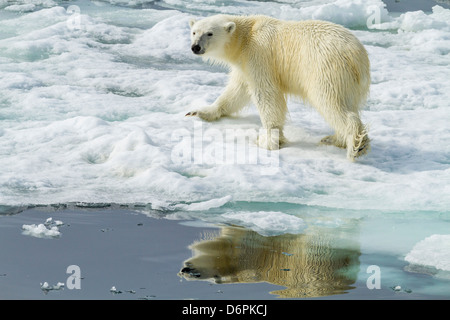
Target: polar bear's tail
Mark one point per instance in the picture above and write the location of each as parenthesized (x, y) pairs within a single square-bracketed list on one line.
[(358, 142)]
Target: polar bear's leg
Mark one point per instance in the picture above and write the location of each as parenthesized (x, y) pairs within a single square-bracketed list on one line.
[(233, 99), (350, 133), (358, 142), (272, 111)]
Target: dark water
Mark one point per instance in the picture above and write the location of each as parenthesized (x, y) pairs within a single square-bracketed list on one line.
[(146, 257)]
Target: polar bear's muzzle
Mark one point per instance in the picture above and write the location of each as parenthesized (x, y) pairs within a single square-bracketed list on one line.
[(199, 44), (197, 49)]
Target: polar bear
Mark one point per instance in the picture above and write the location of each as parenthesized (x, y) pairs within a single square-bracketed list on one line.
[(270, 59), (319, 262)]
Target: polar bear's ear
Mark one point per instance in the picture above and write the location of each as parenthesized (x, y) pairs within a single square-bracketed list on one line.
[(230, 27), (192, 22)]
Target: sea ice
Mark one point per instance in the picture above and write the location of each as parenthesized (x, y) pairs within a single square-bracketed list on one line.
[(94, 113), (40, 231), (49, 229), (204, 205), (46, 287), (433, 251), (267, 223)]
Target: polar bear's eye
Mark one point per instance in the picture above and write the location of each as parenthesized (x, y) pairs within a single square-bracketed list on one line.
[(193, 33), (209, 34)]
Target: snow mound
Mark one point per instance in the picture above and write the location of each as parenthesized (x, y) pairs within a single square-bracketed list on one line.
[(433, 251)]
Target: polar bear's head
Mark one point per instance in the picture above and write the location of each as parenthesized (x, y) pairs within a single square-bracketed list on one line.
[(210, 35)]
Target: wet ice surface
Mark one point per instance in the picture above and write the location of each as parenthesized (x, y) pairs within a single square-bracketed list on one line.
[(92, 105)]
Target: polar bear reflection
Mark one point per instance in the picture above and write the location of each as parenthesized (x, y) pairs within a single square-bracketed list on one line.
[(308, 265)]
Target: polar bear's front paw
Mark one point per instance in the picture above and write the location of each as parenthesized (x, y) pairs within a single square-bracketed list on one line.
[(269, 139), (208, 114)]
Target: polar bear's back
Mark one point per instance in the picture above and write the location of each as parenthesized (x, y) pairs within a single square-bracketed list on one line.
[(321, 56)]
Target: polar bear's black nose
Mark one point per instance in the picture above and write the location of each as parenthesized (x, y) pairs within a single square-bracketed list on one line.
[(196, 48), (191, 272)]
